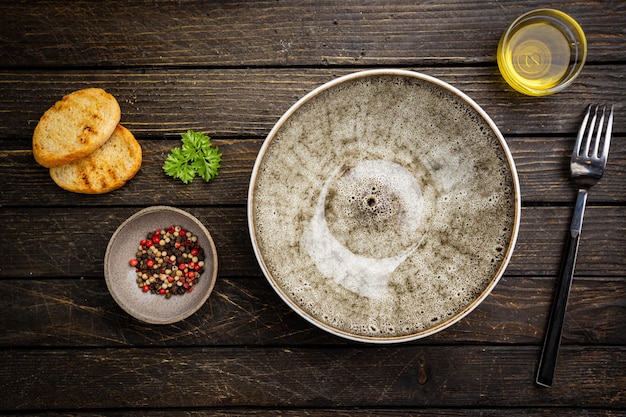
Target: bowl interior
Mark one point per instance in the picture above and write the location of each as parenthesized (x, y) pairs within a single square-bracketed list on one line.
[(121, 277)]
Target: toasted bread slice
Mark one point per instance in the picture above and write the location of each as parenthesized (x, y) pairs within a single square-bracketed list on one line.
[(106, 169), (75, 127)]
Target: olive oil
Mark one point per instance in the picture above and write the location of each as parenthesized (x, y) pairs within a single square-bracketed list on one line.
[(538, 55), (541, 52)]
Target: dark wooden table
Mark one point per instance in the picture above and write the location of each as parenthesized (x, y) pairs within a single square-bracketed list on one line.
[(231, 69)]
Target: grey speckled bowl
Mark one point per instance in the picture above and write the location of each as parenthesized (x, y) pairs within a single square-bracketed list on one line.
[(384, 206), (120, 276)]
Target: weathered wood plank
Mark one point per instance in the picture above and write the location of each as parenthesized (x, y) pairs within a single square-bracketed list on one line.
[(63, 246), (542, 164), (411, 376), (27, 183), (248, 102), (344, 412), (266, 33), (543, 167), (543, 231), (247, 312), (72, 242)]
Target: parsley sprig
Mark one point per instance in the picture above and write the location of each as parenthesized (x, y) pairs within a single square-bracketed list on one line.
[(196, 156)]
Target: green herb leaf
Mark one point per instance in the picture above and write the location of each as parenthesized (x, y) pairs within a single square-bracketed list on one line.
[(196, 156)]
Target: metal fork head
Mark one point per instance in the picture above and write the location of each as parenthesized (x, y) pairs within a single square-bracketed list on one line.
[(592, 147)]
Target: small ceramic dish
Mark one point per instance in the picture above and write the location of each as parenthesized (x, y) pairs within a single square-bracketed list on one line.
[(121, 277), (542, 52)]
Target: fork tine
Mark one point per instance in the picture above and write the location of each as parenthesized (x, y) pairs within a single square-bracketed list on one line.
[(592, 125), (607, 135), (596, 142), (581, 133)]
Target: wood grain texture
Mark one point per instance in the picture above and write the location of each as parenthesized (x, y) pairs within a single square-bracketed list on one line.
[(247, 312), (66, 247), (344, 412), (229, 103), (410, 376), (231, 69), (269, 33), (542, 166)]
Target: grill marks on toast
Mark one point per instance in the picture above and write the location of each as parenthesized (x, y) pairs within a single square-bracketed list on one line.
[(75, 127), (80, 139), (107, 169)]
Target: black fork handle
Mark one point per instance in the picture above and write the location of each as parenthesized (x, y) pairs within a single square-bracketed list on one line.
[(552, 341)]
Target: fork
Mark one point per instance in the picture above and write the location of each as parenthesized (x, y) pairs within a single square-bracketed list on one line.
[(587, 166)]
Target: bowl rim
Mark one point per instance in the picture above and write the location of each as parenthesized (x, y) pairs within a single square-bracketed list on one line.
[(210, 275), (515, 224)]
